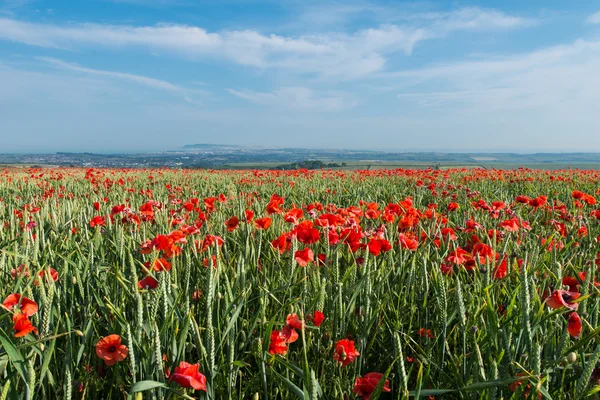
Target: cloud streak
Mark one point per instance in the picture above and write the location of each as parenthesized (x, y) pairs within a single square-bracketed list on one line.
[(594, 18), (296, 98), (341, 55), (139, 79)]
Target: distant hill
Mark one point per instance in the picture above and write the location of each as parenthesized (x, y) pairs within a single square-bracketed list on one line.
[(205, 146)]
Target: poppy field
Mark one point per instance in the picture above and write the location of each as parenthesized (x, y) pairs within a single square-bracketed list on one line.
[(389, 284)]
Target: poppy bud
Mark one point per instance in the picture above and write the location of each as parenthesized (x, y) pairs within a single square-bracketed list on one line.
[(255, 397), (74, 280), (474, 329), (571, 357)]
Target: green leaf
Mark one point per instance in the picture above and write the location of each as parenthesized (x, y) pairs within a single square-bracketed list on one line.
[(14, 356), (143, 386), (299, 393)]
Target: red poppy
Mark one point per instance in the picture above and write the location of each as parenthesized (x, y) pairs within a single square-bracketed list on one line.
[(304, 256), (232, 223), (511, 225), (318, 318), (573, 282), (98, 220), (446, 269), (345, 352), (27, 306), (277, 345), (574, 325), (160, 264), (408, 241), (452, 206), (249, 214), (501, 269), (148, 282), (21, 271), (210, 240), (425, 332), (283, 243), (188, 376), (289, 334), (365, 386), (110, 349), (262, 223), (306, 234), (560, 298), (459, 256), (53, 275), (377, 246), (295, 322), (293, 215), (22, 325), (274, 204)]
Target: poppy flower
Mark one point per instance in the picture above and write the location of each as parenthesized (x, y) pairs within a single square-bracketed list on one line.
[(22, 325), (160, 264), (574, 325), (572, 282), (149, 282), (293, 321), (365, 386), (289, 334), (304, 256), (511, 225), (232, 223), (501, 270), (459, 256), (425, 332), (188, 376), (98, 220), (283, 243), (446, 269), (560, 298), (345, 352), (306, 234), (277, 344), (27, 306), (378, 246), (21, 271), (274, 204), (262, 223), (53, 275), (452, 206), (318, 318), (110, 349), (208, 241)]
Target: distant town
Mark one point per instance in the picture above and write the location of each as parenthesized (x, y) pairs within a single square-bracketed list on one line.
[(217, 156)]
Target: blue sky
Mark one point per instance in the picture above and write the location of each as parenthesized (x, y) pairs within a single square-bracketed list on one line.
[(143, 75)]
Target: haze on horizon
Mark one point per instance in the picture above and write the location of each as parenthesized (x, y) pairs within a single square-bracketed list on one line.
[(151, 75)]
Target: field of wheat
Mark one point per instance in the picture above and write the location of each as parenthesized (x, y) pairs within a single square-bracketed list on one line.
[(385, 284)]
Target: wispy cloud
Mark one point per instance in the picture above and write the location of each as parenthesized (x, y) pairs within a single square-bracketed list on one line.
[(139, 79), (594, 18), (340, 55), (297, 98), (553, 82)]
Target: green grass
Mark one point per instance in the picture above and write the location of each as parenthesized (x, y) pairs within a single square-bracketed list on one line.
[(487, 333)]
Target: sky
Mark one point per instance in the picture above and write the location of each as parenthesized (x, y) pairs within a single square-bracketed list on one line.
[(153, 75)]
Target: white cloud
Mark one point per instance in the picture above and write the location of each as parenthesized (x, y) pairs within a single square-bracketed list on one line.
[(139, 79), (594, 18), (341, 55), (543, 99), (296, 98)]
